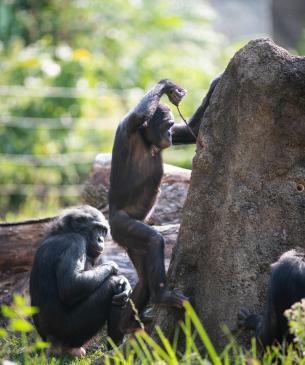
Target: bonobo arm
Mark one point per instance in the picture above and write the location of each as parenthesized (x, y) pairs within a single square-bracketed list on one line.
[(180, 132), (148, 105), (73, 282)]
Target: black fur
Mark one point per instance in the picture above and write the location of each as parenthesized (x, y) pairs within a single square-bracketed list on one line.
[(73, 291), (136, 174), (286, 287)]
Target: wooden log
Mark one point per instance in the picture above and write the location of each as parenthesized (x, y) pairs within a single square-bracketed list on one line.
[(19, 242)]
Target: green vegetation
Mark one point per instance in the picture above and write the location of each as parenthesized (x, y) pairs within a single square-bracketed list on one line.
[(70, 70), (20, 343)]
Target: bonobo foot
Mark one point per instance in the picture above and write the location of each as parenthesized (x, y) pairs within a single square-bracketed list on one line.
[(72, 351), (76, 352), (171, 298), (147, 315)]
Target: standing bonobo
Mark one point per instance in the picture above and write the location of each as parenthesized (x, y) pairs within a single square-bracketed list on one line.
[(74, 292), (136, 173)]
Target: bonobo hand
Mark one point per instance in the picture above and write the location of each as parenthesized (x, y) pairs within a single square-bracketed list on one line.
[(174, 92), (242, 316), (122, 290), (113, 266)]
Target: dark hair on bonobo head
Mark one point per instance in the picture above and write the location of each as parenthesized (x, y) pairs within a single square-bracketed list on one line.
[(162, 111), (75, 219)]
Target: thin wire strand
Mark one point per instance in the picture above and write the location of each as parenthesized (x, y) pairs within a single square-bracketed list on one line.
[(189, 128)]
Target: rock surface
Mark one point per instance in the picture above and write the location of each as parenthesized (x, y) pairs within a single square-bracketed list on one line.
[(246, 202)]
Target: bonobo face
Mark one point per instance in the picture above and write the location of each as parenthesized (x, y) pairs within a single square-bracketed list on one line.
[(158, 128), (90, 223), (97, 239)]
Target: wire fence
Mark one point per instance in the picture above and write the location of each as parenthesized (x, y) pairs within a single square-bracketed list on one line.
[(11, 121), (53, 161), (41, 190), (59, 92)]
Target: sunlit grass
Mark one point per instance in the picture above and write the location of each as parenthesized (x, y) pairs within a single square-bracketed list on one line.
[(19, 343)]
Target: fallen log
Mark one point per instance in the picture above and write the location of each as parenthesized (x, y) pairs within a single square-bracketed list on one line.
[(18, 243), (20, 240)]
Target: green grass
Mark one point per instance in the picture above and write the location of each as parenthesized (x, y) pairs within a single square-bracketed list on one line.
[(20, 344)]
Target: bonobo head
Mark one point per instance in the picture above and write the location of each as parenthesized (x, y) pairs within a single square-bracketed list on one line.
[(84, 220), (157, 131)]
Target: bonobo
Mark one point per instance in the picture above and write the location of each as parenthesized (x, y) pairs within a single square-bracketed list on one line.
[(286, 286), (75, 293), (136, 173)]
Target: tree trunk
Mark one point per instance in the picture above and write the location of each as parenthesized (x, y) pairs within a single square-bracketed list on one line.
[(246, 202)]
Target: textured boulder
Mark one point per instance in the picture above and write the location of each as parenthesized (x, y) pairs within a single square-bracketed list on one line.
[(246, 202)]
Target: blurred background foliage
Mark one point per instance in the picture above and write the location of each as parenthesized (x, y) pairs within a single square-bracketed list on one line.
[(71, 69)]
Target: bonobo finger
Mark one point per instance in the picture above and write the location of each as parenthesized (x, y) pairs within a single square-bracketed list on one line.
[(242, 316), (243, 313), (114, 267), (176, 97), (181, 92), (122, 288), (120, 298)]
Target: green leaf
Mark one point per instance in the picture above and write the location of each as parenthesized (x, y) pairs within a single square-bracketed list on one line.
[(202, 333), (21, 325), (7, 311), (41, 345), (3, 332), (19, 300), (29, 311)]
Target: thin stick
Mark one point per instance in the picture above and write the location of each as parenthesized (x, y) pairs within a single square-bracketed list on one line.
[(189, 128)]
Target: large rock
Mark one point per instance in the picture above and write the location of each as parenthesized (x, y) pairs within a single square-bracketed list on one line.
[(246, 202)]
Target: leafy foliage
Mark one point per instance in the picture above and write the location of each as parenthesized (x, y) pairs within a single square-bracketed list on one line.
[(72, 69)]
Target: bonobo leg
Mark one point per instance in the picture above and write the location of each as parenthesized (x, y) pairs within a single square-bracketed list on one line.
[(139, 296), (84, 320), (113, 324), (145, 247)]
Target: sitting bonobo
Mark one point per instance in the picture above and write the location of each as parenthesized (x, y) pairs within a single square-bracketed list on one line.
[(286, 287), (75, 293), (136, 173)]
